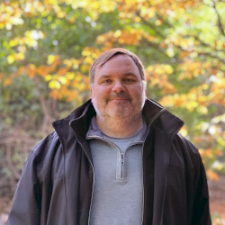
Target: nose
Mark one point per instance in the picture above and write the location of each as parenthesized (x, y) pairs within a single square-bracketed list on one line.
[(118, 87)]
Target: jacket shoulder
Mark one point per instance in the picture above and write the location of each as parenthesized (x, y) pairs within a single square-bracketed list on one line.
[(49, 143), (186, 150), (186, 144), (43, 156)]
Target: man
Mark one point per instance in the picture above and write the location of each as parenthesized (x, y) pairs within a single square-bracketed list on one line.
[(117, 159)]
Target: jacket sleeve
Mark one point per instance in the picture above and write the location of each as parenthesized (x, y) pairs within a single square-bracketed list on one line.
[(26, 201), (201, 212)]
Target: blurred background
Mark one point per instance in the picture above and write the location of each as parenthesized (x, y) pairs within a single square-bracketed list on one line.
[(48, 46)]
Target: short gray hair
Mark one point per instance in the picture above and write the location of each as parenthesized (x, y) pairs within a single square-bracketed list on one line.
[(106, 56)]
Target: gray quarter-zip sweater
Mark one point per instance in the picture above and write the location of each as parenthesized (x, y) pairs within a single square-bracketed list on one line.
[(118, 185)]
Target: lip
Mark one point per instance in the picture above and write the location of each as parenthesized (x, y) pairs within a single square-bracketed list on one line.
[(119, 99)]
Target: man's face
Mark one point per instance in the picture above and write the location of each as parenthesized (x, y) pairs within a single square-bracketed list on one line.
[(118, 90)]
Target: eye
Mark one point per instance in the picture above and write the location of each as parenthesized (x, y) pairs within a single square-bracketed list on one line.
[(107, 81), (129, 80)]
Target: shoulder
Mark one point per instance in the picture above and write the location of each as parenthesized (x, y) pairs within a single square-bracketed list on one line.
[(186, 151), (185, 144), (43, 155), (49, 143)]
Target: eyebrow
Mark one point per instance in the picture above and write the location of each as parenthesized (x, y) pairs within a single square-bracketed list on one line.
[(126, 74), (130, 74)]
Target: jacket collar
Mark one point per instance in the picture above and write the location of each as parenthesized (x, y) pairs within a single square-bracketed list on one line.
[(163, 119), (78, 122)]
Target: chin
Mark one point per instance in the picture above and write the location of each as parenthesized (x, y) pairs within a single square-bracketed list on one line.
[(120, 112), (117, 115)]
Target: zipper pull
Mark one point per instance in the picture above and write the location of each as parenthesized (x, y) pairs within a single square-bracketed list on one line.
[(122, 157)]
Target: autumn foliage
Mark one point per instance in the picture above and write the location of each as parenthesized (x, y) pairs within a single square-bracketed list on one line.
[(47, 48)]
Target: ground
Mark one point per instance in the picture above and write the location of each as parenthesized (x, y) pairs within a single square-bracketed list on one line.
[(217, 203), (217, 198)]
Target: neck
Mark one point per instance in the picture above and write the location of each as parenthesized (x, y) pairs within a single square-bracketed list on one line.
[(120, 127)]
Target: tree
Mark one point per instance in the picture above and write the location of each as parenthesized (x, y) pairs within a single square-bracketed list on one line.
[(47, 48)]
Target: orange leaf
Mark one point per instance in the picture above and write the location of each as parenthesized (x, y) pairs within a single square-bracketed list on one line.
[(7, 82), (212, 175), (62, 71)]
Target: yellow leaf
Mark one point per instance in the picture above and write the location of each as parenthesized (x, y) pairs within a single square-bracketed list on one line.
[(48, 77), (202, 109), (63, 80), (169, 69), (170, 52), (83, 68), (70, 75), (184, 131), (54, 84), (61, 14), (100, 39), (67, 62), (52, 2), (19, 56), (51, 59), (10, 59), (88, 60), (86, 52), (117, 33), (159, 70), (13, 42)]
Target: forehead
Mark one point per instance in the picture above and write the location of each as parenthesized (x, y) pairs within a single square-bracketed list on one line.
[(119, 64)]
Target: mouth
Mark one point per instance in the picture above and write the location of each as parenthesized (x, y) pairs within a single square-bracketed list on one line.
[(119, 99)]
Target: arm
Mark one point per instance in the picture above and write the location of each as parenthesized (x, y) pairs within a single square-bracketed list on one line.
[(201, 212), (27, 198), (197, 187)]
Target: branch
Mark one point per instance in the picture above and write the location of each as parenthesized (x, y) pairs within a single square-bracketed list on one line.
[(204, 43), (160, 16), (42, 101), (151, 26), (10, 164), (219, 19), (16, 140), (212, 56), (164, 21), (154, 45), (201, 41), (204, 53)]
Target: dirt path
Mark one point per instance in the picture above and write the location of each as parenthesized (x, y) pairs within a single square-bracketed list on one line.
[(217, 197), (5, 204)]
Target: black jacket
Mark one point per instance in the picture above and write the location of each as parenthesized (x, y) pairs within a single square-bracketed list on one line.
[(57, 181)]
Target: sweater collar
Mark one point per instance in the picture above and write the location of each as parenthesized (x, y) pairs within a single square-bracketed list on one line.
[(94, 131)]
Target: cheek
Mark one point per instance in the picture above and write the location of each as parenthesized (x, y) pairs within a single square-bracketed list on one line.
[(137, 92), (99, 95), (102, 92)]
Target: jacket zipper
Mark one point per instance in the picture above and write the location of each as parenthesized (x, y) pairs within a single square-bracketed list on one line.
[(93, 184)]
